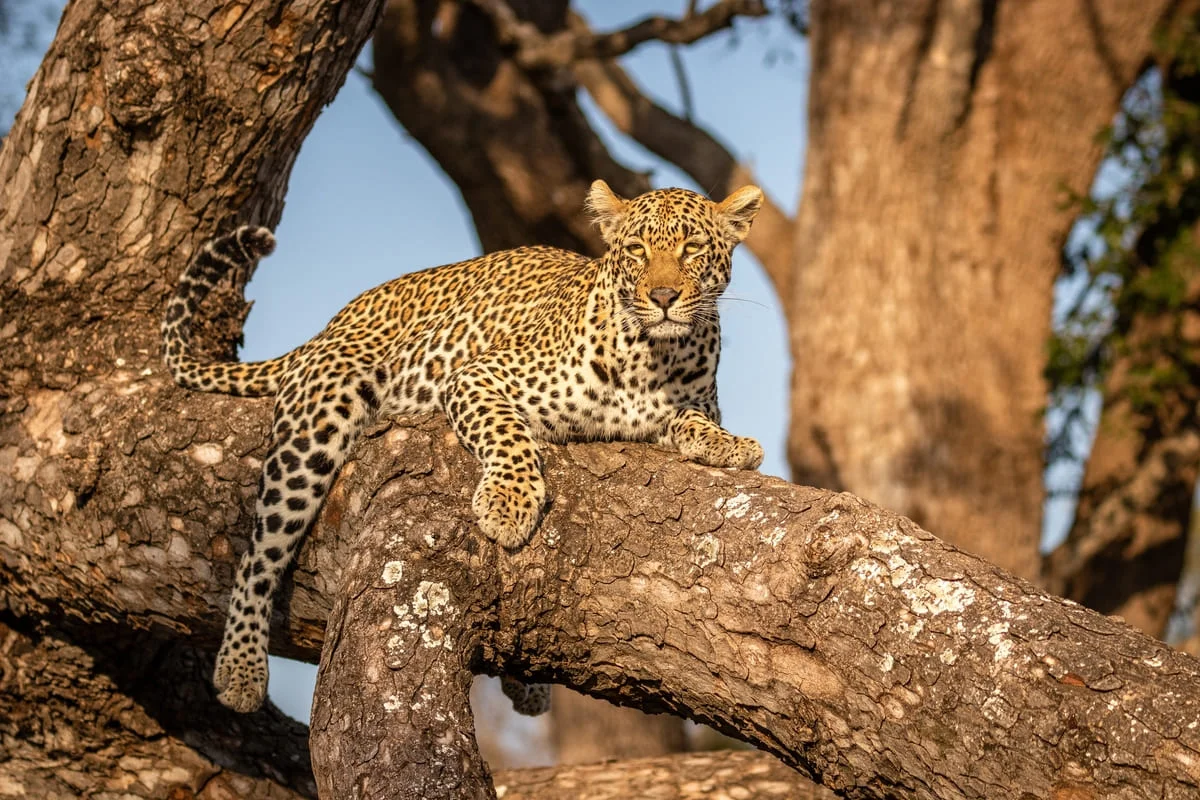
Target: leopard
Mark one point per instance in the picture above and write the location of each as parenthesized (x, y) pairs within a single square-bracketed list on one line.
[(520, 349)]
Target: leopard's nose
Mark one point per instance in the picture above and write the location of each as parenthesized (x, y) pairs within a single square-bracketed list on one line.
[(663, 296)]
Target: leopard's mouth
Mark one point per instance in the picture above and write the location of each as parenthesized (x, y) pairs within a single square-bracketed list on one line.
[(667, 327)]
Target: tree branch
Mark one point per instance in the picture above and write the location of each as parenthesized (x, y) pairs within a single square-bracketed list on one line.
[(499, 134), (535, 50)]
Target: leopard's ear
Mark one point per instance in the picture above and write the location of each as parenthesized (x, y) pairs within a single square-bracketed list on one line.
[(738, 210), (606, 208)]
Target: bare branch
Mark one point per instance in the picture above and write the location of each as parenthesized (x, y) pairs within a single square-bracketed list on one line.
[(681, 79), (537, 51)]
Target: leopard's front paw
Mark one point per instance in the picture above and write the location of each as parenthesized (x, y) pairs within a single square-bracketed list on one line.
[(725, 450), (508, 508), (746, 453)]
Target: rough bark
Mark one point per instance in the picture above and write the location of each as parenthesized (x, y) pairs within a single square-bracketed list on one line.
[(837, 636), (927, 243), (77, 724), (147, 125)]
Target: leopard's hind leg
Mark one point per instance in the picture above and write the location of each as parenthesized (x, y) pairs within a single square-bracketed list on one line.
[(316, 424)]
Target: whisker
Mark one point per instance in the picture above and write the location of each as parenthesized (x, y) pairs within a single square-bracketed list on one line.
[(744, 300)]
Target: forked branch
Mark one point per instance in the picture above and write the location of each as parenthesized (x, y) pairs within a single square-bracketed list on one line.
[(535, 50)]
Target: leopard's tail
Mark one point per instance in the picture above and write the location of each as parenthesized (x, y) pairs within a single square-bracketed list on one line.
[(240, 249)]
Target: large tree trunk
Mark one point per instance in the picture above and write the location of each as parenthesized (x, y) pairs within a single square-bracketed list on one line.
[(928, 240), (1125, 548)]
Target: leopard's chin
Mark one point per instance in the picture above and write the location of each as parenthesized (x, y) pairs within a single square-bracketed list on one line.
[(668, 329)]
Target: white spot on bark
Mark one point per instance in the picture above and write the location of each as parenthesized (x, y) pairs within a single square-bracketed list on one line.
[(431, 597), (436, 636), (392, 704), (998, 638), (737, 506), (208, 454), (774, 536), (832, 516), (706, 550), (888, 663), (938, 596), (393, 571)]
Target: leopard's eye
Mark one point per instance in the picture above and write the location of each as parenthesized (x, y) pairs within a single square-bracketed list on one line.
[(691, 248), (636, 250)]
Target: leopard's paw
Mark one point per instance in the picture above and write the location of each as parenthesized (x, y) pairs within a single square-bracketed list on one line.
[(746, 453), (508, 508), (726, 451)]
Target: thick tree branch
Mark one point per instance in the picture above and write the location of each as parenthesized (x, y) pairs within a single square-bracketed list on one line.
[(536, 50), (844, 636), (827, 631)]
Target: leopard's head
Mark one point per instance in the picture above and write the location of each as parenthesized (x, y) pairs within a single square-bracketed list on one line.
[(671, 251)]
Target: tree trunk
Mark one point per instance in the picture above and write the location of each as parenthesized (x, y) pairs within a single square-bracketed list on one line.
[(928, 239), (1125, 547), (146, 126), (76, 724)]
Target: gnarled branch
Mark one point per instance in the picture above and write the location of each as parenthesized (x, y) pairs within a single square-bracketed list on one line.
[(535, 50)]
